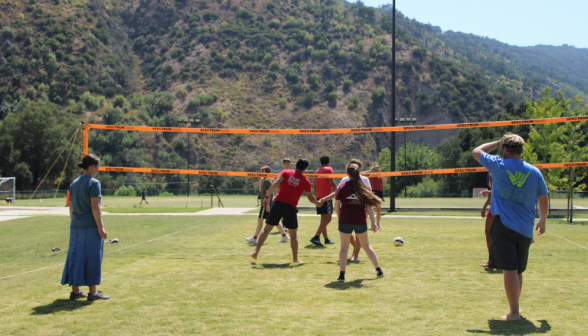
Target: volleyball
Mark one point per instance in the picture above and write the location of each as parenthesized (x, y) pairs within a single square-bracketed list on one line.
[(398, 241)]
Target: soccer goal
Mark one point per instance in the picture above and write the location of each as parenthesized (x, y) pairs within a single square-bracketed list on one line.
[(7, 190)]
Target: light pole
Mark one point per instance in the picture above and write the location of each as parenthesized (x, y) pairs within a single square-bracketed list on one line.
[(393, 114)]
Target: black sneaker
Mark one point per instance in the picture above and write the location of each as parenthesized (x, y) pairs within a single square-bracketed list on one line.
[(379, 272), (316, 241), (328, 241), (341, 279), (75, 296), (98, 296)]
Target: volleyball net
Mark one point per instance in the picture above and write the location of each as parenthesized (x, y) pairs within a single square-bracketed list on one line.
[(458, 170)]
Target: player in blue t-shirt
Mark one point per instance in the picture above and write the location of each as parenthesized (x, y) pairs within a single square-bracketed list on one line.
[(517, 186)]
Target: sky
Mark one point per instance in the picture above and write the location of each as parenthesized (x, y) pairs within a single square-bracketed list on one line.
[(516, 22)]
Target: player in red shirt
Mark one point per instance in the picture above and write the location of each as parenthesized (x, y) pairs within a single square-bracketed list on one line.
[(351, 202), (291, 184), (377, 184), (323, 187)]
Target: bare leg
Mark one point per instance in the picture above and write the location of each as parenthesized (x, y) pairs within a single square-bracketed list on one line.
[(294, 245), (325, 220), (512, 286), (356, 249), (345, 239), (281, 229), (268, 228), (489, 220), (363, 238), (75, 289), (92, 290), (259, 226)]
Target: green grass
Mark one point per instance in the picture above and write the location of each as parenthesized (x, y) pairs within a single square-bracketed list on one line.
[(202, 281), (237, 201), (141, 209)]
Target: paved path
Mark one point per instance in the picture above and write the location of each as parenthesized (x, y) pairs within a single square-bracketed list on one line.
[(7, 218)]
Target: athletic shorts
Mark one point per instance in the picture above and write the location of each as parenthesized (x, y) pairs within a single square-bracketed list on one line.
[(326, 209), (378, 193), (285, 211), (262, 213), (509, 250), (349, 228)]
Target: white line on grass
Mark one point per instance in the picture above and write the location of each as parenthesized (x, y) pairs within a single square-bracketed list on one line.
[(586, 248), (145, 242)]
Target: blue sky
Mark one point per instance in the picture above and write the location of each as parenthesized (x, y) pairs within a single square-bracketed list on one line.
[(516, 22)]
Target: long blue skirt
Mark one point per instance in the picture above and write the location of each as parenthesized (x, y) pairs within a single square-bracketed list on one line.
[(83, 266)]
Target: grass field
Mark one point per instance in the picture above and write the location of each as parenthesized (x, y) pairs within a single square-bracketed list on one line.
[(234, 201), (201, 280)]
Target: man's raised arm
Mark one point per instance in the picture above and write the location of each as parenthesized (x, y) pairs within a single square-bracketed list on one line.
[(485, 148)]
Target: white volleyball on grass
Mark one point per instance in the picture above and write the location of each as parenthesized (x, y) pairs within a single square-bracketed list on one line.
[(398, 241)]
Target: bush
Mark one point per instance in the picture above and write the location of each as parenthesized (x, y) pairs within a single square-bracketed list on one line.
[(407, 103), (244, 14), (113, 115), (275, 23), (283, 103), (378, 95), (347, 84), (274, 66), (119, 101), (330, 86), (427, 188), (332, 96), (210, 16), (125, 191), (353, 103)]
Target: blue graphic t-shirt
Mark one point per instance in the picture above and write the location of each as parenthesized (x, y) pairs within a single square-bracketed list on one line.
[(515, 188), (81, 192)]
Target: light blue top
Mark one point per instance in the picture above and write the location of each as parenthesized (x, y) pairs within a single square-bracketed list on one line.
[(515, 188), (81, 192)]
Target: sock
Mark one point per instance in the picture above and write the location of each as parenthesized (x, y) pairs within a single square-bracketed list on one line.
[(316, 237), (254, 237), (379, 270), (283, 235), (342, 275)]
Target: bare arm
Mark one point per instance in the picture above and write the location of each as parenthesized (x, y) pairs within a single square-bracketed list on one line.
[(370, 211), (330, 197), (333, 184), (338, 207), (313, 199), (486, 204), (485, 148), (98, 216), (543, 208), (384, 180), (271, 190)]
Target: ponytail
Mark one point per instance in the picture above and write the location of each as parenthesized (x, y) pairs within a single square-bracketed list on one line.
[(89, 160), (363, 193)]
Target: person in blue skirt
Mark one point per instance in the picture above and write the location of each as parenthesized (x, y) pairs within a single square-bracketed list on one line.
[(83, 266)]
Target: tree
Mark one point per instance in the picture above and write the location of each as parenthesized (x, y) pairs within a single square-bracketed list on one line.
[(31, 139), (558, 143)]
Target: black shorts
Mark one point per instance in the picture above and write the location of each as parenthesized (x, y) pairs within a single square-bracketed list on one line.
[(262, 213), (378, 193), (350, 228), (283, 210), (509, 250), (326, 209)]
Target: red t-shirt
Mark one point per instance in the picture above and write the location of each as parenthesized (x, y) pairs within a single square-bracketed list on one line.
[(322, 187), (377, 183), (292, 187), (352, 210)]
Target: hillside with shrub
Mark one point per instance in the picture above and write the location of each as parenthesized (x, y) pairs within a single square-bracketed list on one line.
[(238, 64)]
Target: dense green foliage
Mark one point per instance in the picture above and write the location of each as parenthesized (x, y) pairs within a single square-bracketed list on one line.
[(249, 64)]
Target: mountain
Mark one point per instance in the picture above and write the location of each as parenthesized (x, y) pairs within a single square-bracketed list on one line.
[(254, 64)]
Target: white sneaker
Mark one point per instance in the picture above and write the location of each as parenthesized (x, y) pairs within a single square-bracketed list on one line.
[(284, 239), (251, 240)]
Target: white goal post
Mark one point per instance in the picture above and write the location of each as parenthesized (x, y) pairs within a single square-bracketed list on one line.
[(7, 190)]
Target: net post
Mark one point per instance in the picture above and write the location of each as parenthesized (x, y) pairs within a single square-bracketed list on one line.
[(85, 129)]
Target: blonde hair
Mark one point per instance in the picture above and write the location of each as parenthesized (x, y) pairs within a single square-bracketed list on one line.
[(513, 143)]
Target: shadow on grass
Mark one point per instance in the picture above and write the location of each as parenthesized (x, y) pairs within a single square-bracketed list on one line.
[(60, 305), (346, 285), (314, 247), (288, 265), (522, 327), (492, 270)]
